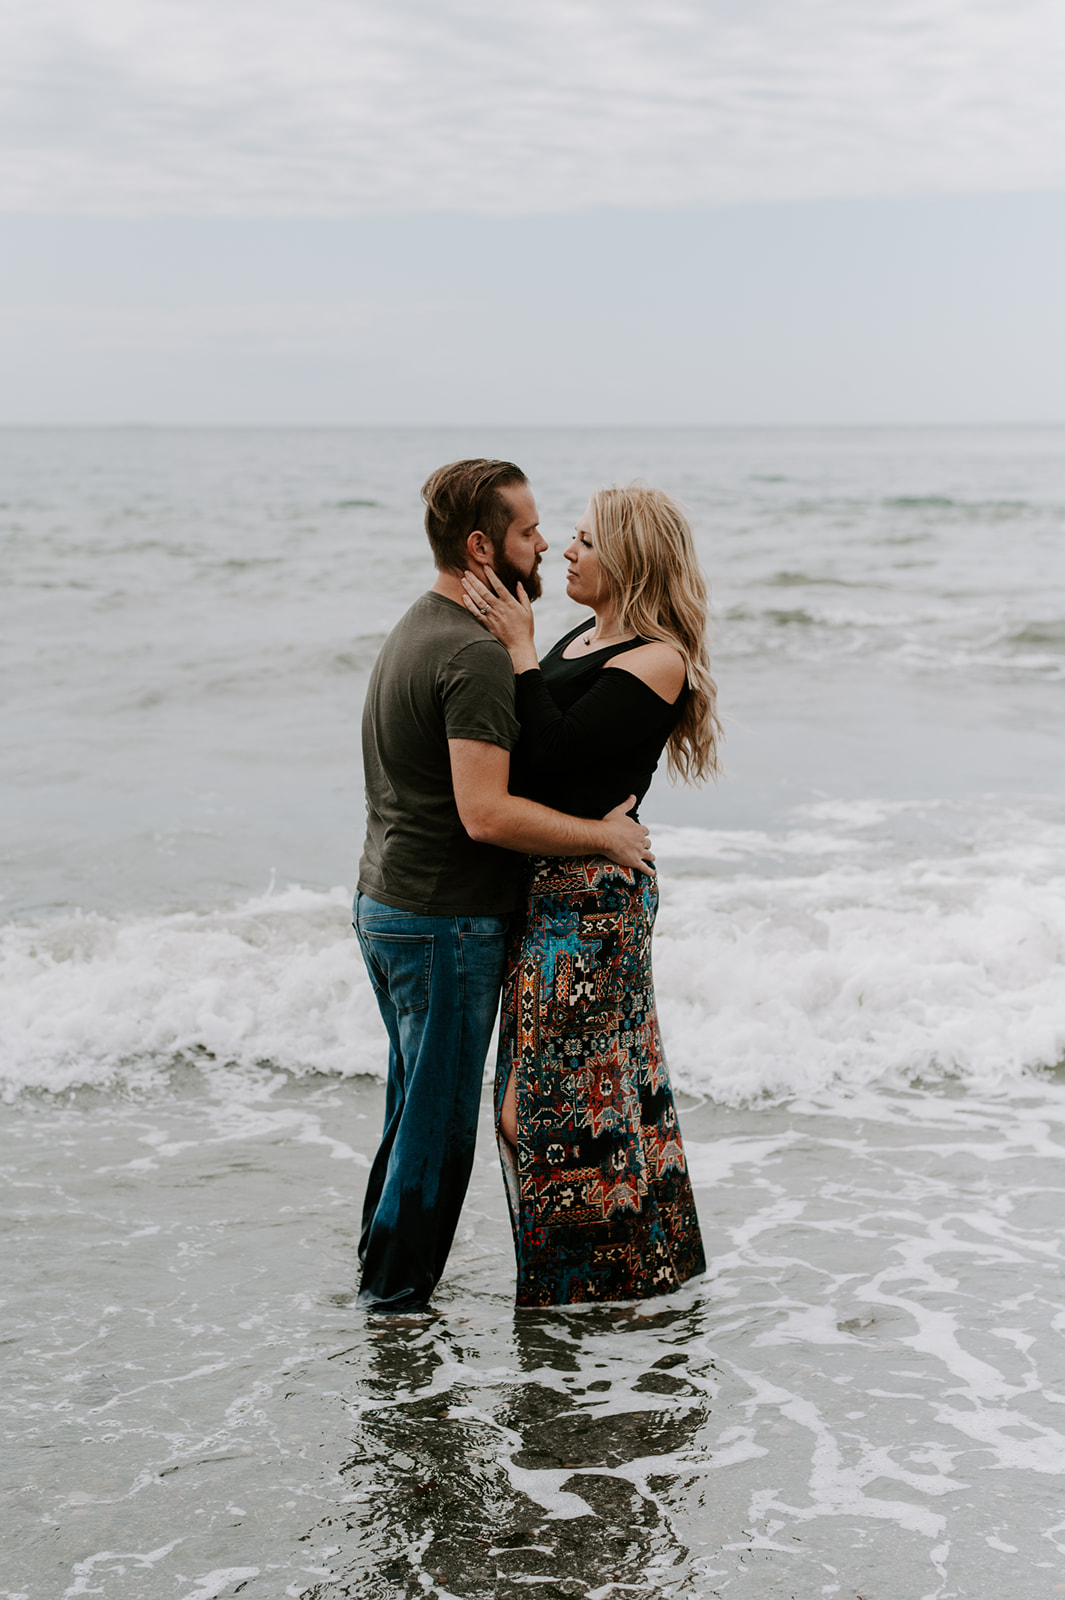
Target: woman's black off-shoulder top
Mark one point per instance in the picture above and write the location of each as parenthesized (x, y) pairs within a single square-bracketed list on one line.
[(589, 736)]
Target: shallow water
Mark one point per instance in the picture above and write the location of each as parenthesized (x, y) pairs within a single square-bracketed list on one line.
[(860, 966), (859, 942), (187, 621), (863, 1397)]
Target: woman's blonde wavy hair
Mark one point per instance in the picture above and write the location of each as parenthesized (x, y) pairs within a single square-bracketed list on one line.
[(646, 554)]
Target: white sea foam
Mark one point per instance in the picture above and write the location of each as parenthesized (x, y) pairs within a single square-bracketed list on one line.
[(829, 952), (277, 979), (870, 964)]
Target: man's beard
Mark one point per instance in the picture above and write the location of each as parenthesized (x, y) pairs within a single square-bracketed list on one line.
[(510, 577)]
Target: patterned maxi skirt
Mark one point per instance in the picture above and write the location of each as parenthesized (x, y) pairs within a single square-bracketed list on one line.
[(600, 1199)]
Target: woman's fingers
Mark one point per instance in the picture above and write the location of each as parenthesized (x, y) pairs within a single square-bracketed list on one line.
[(478, 599), (500, 592), (509, 616)]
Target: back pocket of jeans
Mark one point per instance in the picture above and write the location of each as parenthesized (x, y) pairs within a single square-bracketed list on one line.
[(401, 965)]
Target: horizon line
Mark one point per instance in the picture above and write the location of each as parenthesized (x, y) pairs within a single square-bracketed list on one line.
[(526, 427)]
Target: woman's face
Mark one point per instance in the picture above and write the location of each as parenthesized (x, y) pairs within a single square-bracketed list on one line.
[(583, 580)]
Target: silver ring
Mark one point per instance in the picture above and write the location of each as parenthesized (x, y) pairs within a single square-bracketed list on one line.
[(484, 611)]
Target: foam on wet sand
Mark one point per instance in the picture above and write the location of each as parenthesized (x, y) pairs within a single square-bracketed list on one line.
[(862, 1397), (860, 963)]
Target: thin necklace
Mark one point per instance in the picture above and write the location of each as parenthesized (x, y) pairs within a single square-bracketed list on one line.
[(604, 638)]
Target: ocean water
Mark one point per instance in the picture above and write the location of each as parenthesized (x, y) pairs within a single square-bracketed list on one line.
[(860, 962)]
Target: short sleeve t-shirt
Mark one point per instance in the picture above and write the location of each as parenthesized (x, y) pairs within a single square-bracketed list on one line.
[(439, 676)]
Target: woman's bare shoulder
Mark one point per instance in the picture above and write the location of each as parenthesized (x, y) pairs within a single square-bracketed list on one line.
[(658, 665)]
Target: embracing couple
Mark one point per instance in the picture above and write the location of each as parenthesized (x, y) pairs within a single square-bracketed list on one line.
[(503, 853)]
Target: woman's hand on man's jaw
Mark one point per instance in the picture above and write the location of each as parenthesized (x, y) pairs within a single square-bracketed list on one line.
[(509, 618)]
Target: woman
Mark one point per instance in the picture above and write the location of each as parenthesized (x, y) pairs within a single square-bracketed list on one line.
[(600, 1199)]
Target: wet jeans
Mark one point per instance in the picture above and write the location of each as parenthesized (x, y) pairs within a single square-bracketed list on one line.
[(437, 983)]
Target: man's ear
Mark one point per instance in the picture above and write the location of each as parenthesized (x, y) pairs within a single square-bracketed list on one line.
[(479, 548)]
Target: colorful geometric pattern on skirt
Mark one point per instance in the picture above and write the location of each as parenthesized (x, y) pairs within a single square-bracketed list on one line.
[(600, 1199)]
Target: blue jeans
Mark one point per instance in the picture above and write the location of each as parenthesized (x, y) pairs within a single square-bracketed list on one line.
[(437, 982)]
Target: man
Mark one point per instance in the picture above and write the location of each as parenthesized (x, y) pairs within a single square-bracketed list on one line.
[(442, 868)]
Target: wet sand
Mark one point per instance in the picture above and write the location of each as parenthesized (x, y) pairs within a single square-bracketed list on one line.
[(862, 1398)]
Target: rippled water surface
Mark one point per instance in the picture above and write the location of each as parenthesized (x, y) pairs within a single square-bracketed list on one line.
[(864, 1397), (189, 619), (860, 965)]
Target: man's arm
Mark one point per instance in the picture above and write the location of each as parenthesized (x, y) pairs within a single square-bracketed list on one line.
[(490, 814)]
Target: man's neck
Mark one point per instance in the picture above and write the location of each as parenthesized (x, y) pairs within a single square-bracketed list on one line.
[(449, 584)]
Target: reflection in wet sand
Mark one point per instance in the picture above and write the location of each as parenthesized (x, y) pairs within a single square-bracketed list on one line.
[(483, 1467), (863, 1397), (837, 1406)]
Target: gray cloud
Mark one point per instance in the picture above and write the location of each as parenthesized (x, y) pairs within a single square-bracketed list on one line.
[(328, 107)]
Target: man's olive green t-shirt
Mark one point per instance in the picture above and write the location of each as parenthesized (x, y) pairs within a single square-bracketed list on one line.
[(439, 676)]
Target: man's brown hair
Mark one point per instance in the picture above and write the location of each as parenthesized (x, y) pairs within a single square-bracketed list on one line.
[(461, 497)]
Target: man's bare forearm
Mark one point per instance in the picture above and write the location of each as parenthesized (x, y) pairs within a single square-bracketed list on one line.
[(492, 815), (526, 826)]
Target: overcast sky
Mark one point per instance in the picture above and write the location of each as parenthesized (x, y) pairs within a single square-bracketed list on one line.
[(735, 210)]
